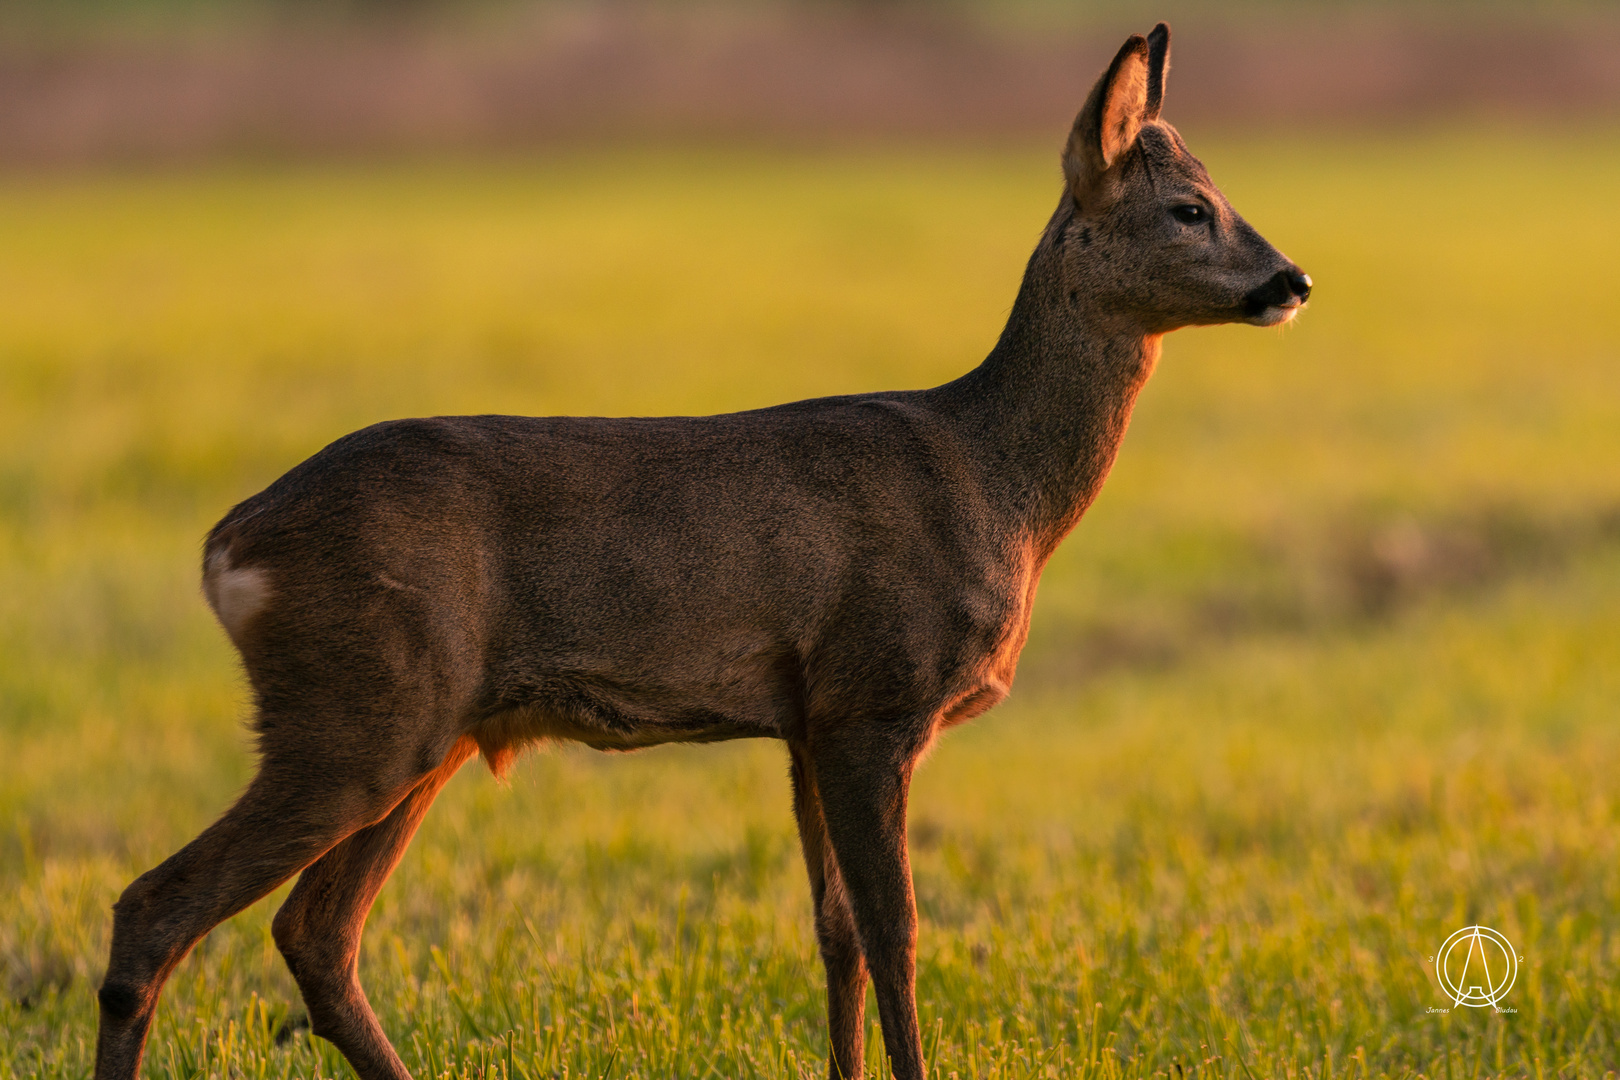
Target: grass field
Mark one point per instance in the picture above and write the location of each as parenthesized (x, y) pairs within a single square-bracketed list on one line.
[(1330, 671)]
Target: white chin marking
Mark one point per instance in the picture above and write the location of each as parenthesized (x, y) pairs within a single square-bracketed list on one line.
[(1275, 316), (236, 594)]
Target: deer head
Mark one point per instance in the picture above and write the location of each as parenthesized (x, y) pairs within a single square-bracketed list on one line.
[(1146, 234)]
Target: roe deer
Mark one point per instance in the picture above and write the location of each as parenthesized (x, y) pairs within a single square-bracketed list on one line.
[(850, 575)]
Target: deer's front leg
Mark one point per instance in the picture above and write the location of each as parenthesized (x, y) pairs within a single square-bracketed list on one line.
[(835, 928), (863, 780)]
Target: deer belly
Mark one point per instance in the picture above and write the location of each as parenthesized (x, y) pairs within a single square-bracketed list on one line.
[(631, 705)]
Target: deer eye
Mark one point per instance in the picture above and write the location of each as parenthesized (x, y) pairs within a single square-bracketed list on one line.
[(1190, 214)]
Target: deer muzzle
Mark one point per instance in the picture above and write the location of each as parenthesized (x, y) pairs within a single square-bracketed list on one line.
[(1279, 299)]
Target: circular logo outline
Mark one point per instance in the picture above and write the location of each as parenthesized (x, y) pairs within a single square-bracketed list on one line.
[(1475, 996)]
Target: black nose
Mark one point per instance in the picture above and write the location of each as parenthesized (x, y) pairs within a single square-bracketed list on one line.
[(1283, 289), (1299, 283)]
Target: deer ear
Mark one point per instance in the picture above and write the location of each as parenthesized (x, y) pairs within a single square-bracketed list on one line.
[(1109, 121), (1158, 67)]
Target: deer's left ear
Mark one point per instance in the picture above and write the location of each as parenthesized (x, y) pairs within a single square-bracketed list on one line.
[(1110, 120), (1158, 67)]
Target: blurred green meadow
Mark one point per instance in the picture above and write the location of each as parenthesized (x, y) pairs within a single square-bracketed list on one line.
[(1331, 670)]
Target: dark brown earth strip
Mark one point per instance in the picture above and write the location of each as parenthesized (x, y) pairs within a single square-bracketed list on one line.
[(561, 73)]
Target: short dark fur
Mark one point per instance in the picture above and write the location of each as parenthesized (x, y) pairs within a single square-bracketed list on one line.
[(850, 575)]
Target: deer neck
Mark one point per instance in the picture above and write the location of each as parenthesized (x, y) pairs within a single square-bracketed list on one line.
[(1048, 408)]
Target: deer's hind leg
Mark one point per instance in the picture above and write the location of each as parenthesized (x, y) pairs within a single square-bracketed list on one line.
[(318, 929), (273, 831), (324, 774)]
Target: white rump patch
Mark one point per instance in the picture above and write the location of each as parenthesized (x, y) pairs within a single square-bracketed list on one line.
[(236, 594)]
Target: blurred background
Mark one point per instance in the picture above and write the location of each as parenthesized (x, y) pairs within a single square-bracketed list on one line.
[(1329, 671), (119, 80)]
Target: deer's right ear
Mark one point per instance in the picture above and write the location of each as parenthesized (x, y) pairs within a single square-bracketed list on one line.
[(1158, 40), (1109, 122)]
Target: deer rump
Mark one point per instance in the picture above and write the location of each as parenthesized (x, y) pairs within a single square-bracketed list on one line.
[(627, 582)]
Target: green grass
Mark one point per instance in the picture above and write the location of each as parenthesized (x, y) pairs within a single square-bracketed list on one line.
[(1330, 671)]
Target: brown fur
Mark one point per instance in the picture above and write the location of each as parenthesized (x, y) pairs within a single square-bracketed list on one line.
[(849, 575)]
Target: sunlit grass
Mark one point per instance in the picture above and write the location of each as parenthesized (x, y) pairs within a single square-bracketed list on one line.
[(1236, 841)]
